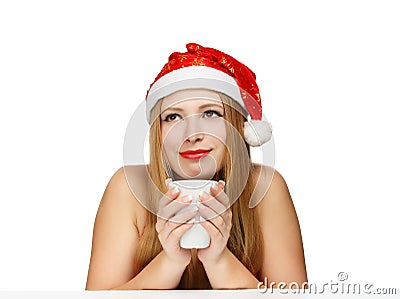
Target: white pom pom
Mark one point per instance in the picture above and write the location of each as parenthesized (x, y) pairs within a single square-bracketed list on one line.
[(257, 132)]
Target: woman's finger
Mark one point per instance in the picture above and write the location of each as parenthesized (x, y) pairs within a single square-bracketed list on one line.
[(186, 215), (175, 221), (211, 202), (222, 222), (170, 195), (206, 212), (179, 220), (217, 190), (209, 215), (174, 206), (176, 234), (160, 224)]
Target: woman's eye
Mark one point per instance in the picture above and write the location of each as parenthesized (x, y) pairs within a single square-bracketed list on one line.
[(212, 114), (207, 114), (171, 117)]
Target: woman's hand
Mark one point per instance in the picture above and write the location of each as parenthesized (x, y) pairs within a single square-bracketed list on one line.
[(171, 224), (215, 208)]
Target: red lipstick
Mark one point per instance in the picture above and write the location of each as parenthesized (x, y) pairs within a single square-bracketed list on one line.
[(195, 154)]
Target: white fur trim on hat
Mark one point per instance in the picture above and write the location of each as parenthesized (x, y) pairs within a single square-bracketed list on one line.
[(193, 77), (257, 132)]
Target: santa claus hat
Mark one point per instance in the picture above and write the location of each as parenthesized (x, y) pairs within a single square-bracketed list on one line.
[(209, 68)]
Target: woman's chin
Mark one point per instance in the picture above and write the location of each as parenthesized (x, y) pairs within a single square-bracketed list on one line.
[(204, 168)]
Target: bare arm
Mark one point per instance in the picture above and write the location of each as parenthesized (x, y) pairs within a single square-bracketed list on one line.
[(283, 258), (161, 273), (283, 247), (235, 274), (114, 245)]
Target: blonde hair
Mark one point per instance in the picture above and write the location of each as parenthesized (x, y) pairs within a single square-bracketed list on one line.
[(245, 240)]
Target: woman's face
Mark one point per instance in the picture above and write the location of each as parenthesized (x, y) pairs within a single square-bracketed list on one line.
[(193, 133)]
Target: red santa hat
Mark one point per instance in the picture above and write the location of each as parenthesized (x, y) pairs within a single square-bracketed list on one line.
[(209, 68)]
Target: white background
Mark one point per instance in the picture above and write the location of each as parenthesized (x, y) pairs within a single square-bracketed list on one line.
[(73, 72)]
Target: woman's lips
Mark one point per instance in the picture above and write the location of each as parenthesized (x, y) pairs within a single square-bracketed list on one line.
[(194, 155)]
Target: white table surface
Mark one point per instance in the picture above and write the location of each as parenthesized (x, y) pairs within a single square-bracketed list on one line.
[(168, 294), (137, 294)]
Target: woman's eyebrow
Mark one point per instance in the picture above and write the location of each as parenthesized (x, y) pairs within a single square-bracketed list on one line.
[(211, 105), (200, 107), (173, 108)]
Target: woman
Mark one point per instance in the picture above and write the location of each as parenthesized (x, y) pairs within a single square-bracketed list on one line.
[(205, 113)]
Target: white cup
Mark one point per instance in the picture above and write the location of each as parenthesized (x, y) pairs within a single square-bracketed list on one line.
[(196, 236)]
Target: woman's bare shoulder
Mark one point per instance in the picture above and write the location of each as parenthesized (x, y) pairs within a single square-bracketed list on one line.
[(127, 178), (263, 177), (125, 187), (269, 184), (116, 233)]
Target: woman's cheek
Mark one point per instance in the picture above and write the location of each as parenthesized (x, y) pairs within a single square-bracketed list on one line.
[(172, 139)]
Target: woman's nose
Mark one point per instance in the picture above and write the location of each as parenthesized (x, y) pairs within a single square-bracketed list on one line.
[(195, 138), (193, 130)]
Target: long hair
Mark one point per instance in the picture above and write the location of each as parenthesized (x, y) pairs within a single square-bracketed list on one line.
[(245, 240)]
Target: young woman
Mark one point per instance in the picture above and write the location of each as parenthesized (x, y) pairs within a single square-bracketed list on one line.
[(204, 112)]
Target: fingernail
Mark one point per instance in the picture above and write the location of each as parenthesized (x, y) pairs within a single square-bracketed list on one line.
[(214, 186), (188, 198), (204, 195), (167, 181), (175, 190), (201, 206), (222, 182), (194, 208)]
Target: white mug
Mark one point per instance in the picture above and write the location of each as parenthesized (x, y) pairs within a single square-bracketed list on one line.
[(196, 236)]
